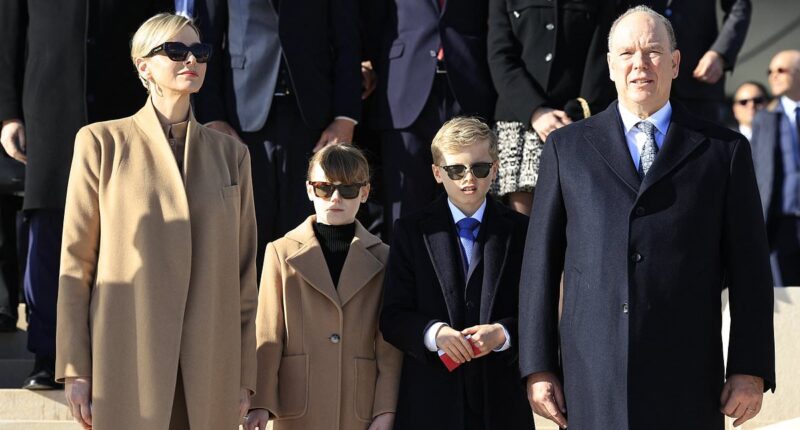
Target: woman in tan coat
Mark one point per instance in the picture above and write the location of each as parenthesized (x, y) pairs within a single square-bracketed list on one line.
[(322, 363), (157, 293)]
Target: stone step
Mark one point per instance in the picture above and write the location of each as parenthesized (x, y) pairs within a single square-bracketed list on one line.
[(21, 405), (38, 425)]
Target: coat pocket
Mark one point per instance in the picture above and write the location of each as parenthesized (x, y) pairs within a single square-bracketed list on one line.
[(230, 192), (292, 386), (366, 376), (396, 50)]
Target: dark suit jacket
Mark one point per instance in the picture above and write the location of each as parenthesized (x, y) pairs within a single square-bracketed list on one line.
[(413, 31), (548, 52), (770, 126), (319, 40), (423, 284), (64, 66), (644, 263), (695, 27)]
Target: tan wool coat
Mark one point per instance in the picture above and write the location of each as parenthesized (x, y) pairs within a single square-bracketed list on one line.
[(322, 363), (157, 272)]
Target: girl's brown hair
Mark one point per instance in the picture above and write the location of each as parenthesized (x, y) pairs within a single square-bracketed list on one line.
[(342, 163)]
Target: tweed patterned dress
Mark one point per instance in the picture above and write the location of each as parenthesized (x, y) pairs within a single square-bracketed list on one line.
[(520, 150)]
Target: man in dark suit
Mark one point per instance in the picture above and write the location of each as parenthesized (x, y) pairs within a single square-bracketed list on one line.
[(648, 212), (453, 272), (707, 52), (288, 82), (64, 64), (431, 66), (776, 154)]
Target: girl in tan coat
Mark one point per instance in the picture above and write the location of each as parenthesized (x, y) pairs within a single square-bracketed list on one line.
[(322, 363), (157, 292)]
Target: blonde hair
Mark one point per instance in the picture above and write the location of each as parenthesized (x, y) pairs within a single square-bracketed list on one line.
[(155, 31), (459, 133), (342, 163)]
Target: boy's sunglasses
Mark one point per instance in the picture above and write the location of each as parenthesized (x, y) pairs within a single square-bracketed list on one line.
[(756, 100), (325, 190), (458, 171), (177, 51)]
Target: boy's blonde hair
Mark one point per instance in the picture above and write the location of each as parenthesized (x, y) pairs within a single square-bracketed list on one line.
[(155, 31), (461, 132), (342, 163)]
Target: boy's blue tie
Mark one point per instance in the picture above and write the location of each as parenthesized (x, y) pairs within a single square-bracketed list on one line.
[(467, 227)]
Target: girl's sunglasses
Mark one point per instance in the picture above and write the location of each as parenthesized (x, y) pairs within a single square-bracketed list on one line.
[(177, 51), (457, 172), (325, 190)]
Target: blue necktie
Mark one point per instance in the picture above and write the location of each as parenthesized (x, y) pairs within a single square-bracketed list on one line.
[(467, 227), (650, 149)]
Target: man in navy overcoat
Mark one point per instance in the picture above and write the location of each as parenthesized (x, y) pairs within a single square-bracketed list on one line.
[(648, 212)]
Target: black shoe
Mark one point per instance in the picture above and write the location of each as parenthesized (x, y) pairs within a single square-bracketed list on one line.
[(43, 375), (8, 324)]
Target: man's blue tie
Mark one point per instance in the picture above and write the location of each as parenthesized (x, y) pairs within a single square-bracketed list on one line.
[(467, 227)]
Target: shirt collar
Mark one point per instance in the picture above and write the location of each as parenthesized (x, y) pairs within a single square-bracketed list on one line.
[(660, 118), (789, 105), (458, 215)]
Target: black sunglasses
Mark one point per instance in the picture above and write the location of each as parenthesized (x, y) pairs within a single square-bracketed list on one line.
[(177, 51), (325, 190), (756, 100), (458, 171)]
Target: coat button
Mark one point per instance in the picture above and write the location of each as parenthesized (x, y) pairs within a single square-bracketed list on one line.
[(548, 57), (640, 211), (549, 26), (636, 257), (470, 304), (433, 53), (335, 338), (625, 308)]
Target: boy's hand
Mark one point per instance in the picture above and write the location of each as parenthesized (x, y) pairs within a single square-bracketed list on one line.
[(454, 344), (486, 337)]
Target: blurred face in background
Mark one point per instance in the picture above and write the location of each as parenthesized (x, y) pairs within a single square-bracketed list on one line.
[(747, 100), (784, 74)]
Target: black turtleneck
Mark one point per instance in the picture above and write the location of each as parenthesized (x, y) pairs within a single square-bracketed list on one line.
[(335, 241)]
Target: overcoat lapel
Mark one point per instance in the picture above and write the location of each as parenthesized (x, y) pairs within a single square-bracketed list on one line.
[(309, 261), (609, 142), (360, 266), (496, 244), (680, 141), (444, 254)]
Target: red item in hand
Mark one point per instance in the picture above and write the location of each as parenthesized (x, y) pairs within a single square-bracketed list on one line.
[(449, 363)]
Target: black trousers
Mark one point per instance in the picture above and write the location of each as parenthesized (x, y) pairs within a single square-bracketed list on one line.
[(41, 278), (279, 155), (408, 183), (785, 251)]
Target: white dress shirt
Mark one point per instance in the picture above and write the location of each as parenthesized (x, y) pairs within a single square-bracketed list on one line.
[(637, 138), (746, 131), (430, 335)]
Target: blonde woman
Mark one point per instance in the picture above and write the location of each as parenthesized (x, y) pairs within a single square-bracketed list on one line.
[(322, 362), (157, 292)]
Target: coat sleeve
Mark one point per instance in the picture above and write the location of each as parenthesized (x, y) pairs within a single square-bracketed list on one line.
[(751, 349), (542, 264), (12, 31), (507, 67), (212, 20), (247, 273), (387, 386), (270, 330), (734, 29), (401, 323), (343, 23), (79, 253)]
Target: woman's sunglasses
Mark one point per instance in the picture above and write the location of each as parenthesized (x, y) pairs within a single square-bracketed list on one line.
[(177, 51), (458, 171), (325, 190)]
